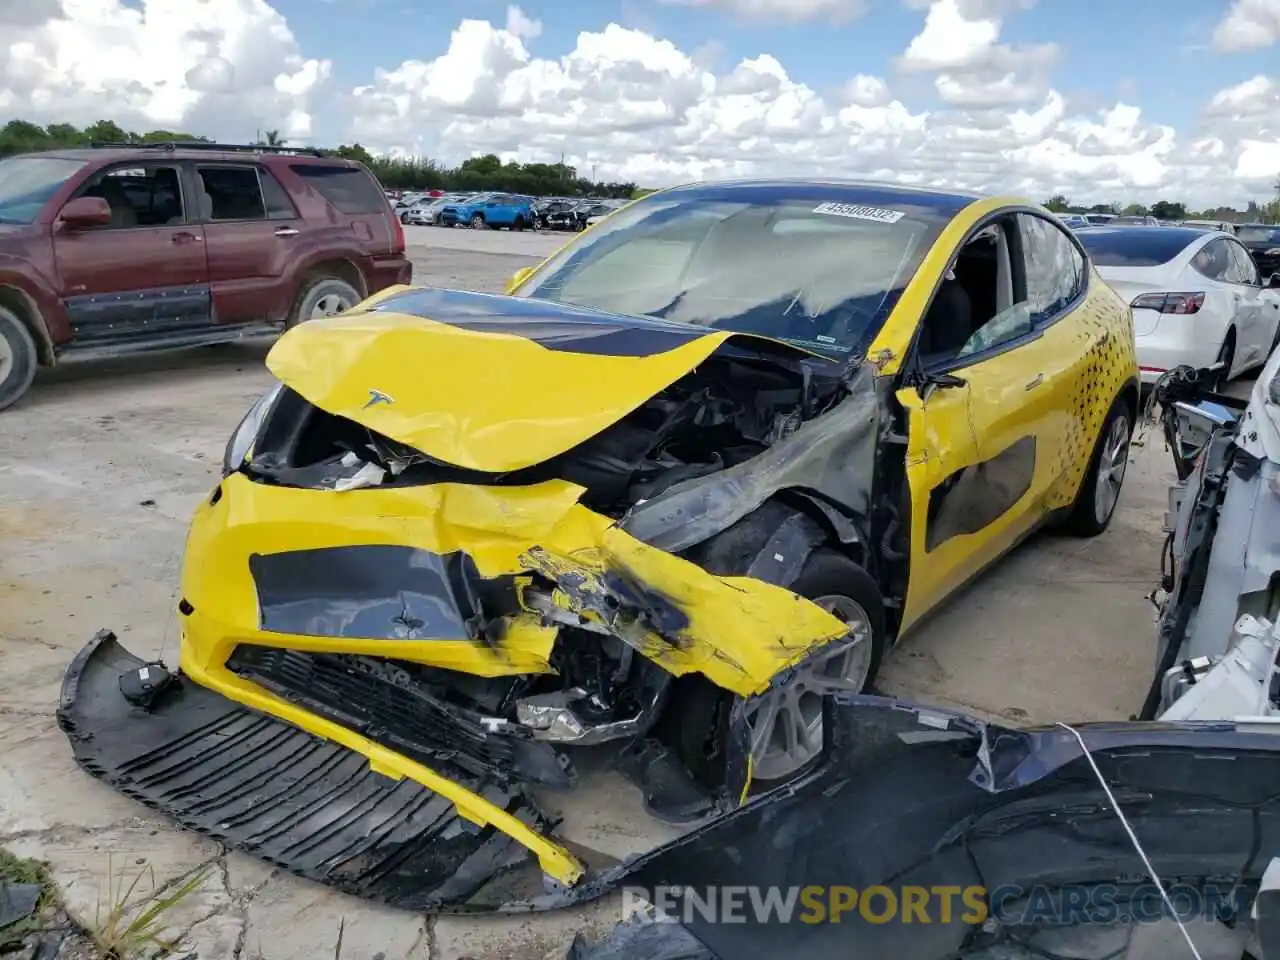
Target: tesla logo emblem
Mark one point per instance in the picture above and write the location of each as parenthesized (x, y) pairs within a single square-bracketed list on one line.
[(376, 397)]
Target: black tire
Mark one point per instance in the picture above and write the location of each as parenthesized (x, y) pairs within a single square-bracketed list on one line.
[(315, 291), (18, 358), (827, 573), (696, 720), (476, 222), (404, 218), (1084, 519), (518, 223), (1226, 357)]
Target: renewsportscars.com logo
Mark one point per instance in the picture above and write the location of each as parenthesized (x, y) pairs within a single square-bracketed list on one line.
[(1006, 905)]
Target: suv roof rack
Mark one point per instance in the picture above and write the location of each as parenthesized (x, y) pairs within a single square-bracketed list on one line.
[(171, 145)]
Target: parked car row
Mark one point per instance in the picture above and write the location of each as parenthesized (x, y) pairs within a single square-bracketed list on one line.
[(502, 210)]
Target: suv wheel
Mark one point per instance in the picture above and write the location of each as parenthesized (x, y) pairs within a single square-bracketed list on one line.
[(18, 358), (324, 297), (477, 221)]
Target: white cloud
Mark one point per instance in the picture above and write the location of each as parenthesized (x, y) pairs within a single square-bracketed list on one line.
[(223, 67), (836, 11), (960, 43), (1248, 25), (633, 106), (521, 25)]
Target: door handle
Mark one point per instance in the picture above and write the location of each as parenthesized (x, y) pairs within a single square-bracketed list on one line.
[(1035, 381), (286, 232), (185, 237)]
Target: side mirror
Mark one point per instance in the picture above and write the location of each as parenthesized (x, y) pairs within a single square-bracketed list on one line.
[(931, 383), (86, 212), (517, 278), (1274, 282)]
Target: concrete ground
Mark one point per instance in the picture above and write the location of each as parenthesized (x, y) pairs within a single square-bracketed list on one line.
[(100, 469)]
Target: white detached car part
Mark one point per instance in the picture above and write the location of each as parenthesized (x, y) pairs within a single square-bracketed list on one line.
[(1196, 296), (1219, 624)]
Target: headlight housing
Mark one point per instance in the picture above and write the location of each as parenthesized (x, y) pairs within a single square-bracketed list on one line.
[(247, 432)]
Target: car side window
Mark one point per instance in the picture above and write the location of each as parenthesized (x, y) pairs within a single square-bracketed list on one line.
[(1213, 261), (231, 193), (278, 202), (1243, 270), (976, 308), (149, 196), (1054, 268)]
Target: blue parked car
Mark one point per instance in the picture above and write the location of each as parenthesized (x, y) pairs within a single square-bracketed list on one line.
[(490, 211)]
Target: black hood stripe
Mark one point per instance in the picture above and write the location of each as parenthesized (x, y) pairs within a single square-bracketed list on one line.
[(556, 326)]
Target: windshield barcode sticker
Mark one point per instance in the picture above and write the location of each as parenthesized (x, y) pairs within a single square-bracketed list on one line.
[(856, 212)]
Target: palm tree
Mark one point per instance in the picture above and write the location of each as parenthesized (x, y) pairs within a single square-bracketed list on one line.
[(272, 138)]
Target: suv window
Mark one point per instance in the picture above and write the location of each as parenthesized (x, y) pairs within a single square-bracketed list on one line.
[(1242, 269), (28, 183), (147, 196), (349, 189), (1054, 267), (242, 193)]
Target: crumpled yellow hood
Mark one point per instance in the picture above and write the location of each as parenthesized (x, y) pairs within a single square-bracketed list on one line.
[(485, 382)]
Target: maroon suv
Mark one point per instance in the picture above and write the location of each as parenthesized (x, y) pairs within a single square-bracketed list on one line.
[(119, 249)]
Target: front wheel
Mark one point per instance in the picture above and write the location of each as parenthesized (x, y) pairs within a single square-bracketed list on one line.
[(477, 222), (1099, 493), (18, 358), (785, 723)]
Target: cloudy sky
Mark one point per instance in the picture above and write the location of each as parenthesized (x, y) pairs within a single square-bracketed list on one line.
[(1099, 99)]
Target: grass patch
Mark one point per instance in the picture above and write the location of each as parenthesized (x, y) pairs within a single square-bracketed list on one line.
[(124, 931), (21, 870)]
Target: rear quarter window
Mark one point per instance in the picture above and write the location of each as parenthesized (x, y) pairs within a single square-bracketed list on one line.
[(348, 189)]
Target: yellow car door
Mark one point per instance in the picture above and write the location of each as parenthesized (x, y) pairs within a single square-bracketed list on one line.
[(986, 411)]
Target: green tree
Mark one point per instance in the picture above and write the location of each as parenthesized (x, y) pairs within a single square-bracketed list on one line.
[(1166, 210), (1058, 203)]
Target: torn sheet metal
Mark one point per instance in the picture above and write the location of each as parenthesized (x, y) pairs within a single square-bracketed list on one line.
[(832, 455), (738, 631), (523, 381), (903, 802)]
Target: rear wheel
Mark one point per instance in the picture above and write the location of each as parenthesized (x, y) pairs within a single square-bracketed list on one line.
[(1226, 357), (324, 297), (477, 222), (1100, 492), (18, 358), (518, 224)]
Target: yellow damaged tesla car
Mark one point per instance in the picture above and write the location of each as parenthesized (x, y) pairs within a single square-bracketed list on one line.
[(694, 472)]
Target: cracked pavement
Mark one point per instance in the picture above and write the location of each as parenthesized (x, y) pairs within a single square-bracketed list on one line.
[(100, 469)]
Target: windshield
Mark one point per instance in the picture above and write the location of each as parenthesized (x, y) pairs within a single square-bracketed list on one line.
[(1135, 247), (27, 184), (1259, 234), (781, 263)]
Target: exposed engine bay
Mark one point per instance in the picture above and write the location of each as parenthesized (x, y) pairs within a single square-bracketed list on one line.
[(513, 729), (724, 413)]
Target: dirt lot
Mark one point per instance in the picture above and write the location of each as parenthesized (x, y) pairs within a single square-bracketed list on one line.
[(99, 471)]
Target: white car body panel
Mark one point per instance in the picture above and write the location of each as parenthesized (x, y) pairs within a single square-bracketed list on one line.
[(1165, 340)]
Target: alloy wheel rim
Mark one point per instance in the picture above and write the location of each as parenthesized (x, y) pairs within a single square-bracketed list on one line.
[(330, 305), (1111, 468), (6, 359), (785, 725)]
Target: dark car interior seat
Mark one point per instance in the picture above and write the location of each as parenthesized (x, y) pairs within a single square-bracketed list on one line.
[(123, 213), (948, 323)]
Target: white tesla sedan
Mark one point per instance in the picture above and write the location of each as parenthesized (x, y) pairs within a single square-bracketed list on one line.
[(1196, 297)]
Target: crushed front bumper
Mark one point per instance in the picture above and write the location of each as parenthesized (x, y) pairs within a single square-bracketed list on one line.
[(386, 829)]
